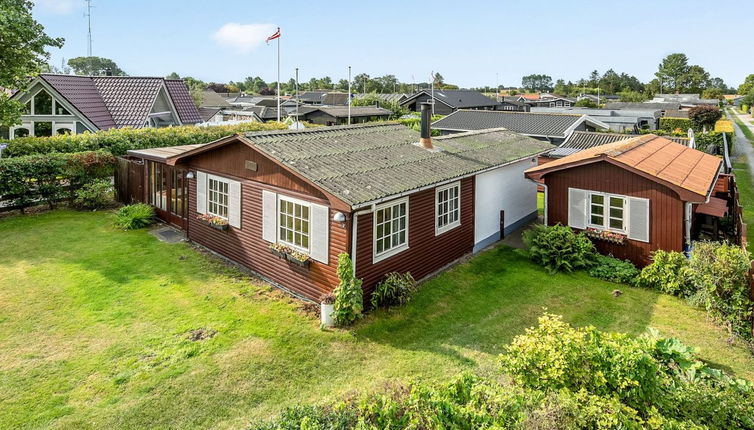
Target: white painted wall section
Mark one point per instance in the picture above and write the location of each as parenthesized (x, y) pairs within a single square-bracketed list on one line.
[(506, 189)]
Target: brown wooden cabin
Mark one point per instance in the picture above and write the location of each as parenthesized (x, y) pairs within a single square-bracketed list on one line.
[(367, 190), (639, 189)]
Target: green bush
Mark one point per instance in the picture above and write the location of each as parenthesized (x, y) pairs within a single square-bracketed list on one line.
[(648, 374), (713, 138), (118, 141), (555, 356), (559, 248), (614, 270), (673, 124), (135, 216), (669, 273), (97, 194), (349, 297), (721, 272), (51, 177), (562, 377), (395, 290)]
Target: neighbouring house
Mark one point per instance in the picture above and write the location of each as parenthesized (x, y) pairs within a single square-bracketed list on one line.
[(620, 120), (553, 128), (734, 99), (636, 195), (552, 101), (335, 99), (655, 106), (338, 115), (512, 103), (394, 199), (686, 100), (580, 140), (211, 99), (449, 101), (312, 97), (70, 104), (387, 97), (211, 115)]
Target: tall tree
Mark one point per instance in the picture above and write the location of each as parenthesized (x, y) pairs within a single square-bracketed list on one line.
[(537, 82), (95, 66), (695, 80), (747, 86), (22, 53), (173, 75), (671, 72)]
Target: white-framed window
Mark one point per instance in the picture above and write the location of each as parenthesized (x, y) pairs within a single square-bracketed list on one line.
[(294, 221), (447, 207), (607, 212), (390, 228), (218, 195)]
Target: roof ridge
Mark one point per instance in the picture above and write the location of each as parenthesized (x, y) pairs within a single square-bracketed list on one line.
[(517, 113)]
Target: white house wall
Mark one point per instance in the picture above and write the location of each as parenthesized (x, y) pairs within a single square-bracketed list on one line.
[(504, 189)]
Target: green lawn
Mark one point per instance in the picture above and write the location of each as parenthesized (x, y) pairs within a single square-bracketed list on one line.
[(746, 193), (94, 326)]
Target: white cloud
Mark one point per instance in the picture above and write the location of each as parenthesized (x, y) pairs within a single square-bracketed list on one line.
[(243, 38), (57, 7)]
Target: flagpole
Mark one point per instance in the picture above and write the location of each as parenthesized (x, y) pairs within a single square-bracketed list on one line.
[(278, 75), (349, 95)]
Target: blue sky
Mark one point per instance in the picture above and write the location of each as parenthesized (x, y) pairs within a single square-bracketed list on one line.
[(468, 42)]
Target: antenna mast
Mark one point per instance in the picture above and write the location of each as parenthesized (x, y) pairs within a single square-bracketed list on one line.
[(88, 15)]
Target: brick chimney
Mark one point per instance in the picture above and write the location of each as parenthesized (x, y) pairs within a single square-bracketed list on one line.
[(426, 133)]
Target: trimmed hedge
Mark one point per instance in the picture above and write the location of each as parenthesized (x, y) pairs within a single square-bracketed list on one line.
[(672, 124), (49, 178), (118, 141)]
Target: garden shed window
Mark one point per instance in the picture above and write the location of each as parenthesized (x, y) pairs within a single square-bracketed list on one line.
[(217, 196), (390, 229), (447, 207), (293, 223), (607, 212)]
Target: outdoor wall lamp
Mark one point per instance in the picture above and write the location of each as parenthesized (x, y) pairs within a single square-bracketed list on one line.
[(340, 217), (190, 175)]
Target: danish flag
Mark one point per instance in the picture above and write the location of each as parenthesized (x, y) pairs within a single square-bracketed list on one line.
[(274, 36)]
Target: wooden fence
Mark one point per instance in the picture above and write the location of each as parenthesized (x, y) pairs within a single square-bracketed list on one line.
[(129, 180)]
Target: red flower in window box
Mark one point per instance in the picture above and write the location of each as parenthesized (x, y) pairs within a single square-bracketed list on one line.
[(605, 235), (216, 222)]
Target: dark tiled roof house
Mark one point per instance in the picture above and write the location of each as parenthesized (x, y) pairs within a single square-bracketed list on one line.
[(57, 104), (393, 200), (448, 101), (544, 126)]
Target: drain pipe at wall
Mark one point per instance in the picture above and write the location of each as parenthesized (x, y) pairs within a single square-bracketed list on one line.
[(354, 228), (687, 220)]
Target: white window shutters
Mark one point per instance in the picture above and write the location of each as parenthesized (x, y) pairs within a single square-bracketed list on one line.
[(234, 204), (577, 208), (320, 229), (638, 219), (269, 216), (201, 192)]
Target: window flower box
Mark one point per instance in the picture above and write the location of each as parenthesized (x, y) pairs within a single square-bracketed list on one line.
[(292, 256), (212, 221), (605, 236)]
